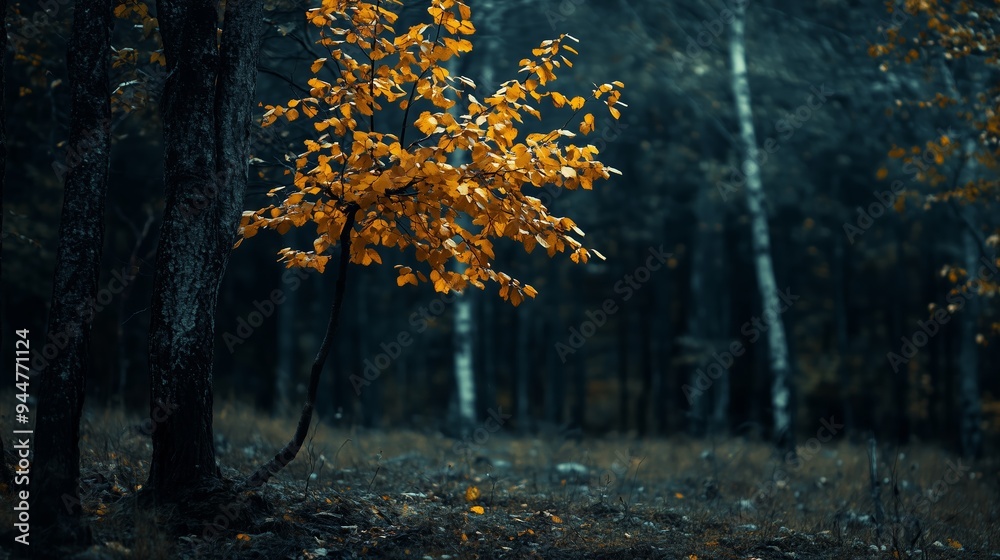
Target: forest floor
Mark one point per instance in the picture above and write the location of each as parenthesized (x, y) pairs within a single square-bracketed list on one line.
[(404, 494)]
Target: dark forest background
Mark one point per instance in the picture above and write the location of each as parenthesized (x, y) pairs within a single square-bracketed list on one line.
[(833, 113)]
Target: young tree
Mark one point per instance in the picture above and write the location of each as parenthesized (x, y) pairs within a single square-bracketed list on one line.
[(206, 111), (760, 237), (55, 482), (958, 45), (363, 188)]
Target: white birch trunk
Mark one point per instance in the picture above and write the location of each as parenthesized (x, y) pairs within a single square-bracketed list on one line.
[(463, 329), (760, 237)]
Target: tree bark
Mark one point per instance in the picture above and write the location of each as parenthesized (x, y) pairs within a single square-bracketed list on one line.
[(56, 477), (760, 238), (206, 111)]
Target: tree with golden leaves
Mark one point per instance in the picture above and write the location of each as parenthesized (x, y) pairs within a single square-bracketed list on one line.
[(365, 188), (958, 44)]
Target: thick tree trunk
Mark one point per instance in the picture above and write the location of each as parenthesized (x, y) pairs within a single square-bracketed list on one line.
[(760, 238), (206, 111), (55, 482)]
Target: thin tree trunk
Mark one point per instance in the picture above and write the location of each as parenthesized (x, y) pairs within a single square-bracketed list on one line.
[(661, 340), (700, 318), (284, 383), (488, 331), (555, 378), (970, 408), (646, 359), (291, 449), (56, 476), (206, 111), (839, 281), (579, 364), (760, 237), (523, 373), (623, 367), (900, 383)]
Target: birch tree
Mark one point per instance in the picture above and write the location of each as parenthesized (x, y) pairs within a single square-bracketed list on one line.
[(760, 236)]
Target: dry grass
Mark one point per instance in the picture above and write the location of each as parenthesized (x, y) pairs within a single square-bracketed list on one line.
[(404, 494)]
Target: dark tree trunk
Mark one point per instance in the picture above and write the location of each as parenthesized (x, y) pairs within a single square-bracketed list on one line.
[(623, 366), (488, 331), (579, 365), (662, 347), (709, 319), (839, 283), (55, 487), (646, 351), (555, 378), (900, 385), (523, 373), (206, 111), (970, 407), (284, 382)]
